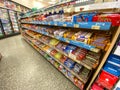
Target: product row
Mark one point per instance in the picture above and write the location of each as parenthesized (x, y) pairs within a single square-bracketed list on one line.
[(100, 40), (84, 57), (61, 57), (60, 16), (68, 63)]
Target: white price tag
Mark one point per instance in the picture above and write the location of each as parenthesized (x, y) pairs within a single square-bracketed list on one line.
[(76, 25), (95, 27), (64, 25)]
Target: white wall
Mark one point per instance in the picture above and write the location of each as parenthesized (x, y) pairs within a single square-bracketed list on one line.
[(31, 3), (28, 3)]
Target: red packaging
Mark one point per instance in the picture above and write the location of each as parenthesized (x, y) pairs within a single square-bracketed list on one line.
[(107, 80), (114, 18), (53, 52), (78, 83), (95, 86)]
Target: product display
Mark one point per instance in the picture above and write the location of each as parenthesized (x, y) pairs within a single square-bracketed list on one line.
[(5, 21), (99, 40), (77, 38), (61, 67), (14, 21)]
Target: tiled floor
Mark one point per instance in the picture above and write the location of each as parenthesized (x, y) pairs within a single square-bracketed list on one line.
[(22, 68)]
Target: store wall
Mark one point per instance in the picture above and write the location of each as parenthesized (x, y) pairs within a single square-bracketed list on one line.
[(32, 3), (28, 3)]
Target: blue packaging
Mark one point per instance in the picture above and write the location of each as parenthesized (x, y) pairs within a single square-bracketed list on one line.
[(69, 49), (84, 17), (69, 63), (113, 65)]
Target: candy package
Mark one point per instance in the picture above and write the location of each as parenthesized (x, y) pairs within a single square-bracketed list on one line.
[(107, 80), (77, 68), (69, 63), (58, 55), (96, 86), (113, 18), (69, 49)]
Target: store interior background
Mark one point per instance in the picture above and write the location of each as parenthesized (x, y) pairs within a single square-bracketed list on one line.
[(36, 3)]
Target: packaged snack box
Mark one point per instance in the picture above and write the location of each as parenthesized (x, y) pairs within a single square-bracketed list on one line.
[(107, 80), (69, 63), (113, 18)]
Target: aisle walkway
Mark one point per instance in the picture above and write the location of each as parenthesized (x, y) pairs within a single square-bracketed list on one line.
[(22, 68)]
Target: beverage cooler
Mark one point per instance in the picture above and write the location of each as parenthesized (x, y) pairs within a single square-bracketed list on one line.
[(13, 18), (8, 23), (1, 32)]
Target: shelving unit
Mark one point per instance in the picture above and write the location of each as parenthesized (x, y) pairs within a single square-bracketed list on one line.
[(33, 44), (30, 24)]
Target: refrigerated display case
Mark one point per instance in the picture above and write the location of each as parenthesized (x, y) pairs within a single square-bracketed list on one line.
[(5, 20), (1, 32), (13, 18)]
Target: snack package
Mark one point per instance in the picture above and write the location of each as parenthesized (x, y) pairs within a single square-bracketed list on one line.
[(69, 63), (56, 64), (84, 17), (92, 59), (63, 58), (81, 55), (64, 71), (78, 83), (77, 68), (69, 34), (107, 80), (53, 52), (58, 55), (49, 50), (54, 42), (82, 36), (113, 18), (70, 75), (60, 32), (64, 45), (78, 54), (113, 65), (96, 86), (84, 73), (100, 41), (46, 48), (69, 48), (60, 67), (52, 61)]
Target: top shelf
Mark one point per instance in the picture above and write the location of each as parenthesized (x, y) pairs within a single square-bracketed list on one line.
[(99, 6), (90, 7)]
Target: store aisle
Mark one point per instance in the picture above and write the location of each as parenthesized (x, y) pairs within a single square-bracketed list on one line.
[(22, 68)]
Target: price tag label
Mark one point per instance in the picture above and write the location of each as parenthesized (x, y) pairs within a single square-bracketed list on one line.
[(55, 24), (67, 41), (95, 27), (64, 25), (76, 25), (52, 11), (57, 10)]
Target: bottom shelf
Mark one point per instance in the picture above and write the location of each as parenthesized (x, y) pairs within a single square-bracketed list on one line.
[(61, 68)]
